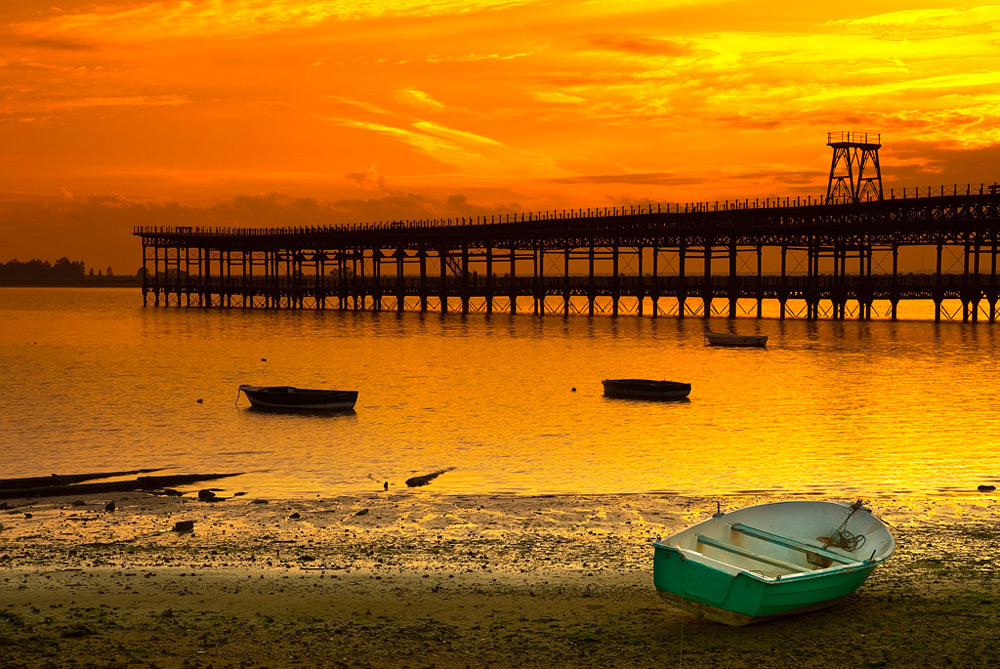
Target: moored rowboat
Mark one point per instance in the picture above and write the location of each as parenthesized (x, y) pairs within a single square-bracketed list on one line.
[(729, 339), (770, 560), (287, 398), (645, 389)]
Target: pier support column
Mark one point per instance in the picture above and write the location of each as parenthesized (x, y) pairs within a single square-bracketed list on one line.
[(939, 283), (566, 287), (443, 292), (894, 290), (156, 275), (465, 280), (376, 279), (400, 281), (783, 290), (422, 257), (706, 288), (681, 280), (760, 281), (513, 279), (640, 290), (615, 286), (732, 288), (537, 292), (654, 288), (977, 291), (590, 284), (489, 278)]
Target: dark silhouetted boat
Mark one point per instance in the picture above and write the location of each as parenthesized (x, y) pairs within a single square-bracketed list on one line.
[(645, 389), (728, 339), (287, 398)]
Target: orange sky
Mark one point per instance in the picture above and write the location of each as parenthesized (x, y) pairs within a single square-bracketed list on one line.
[(271, 112)]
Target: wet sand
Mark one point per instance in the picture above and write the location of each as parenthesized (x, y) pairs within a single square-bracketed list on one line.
[(415, 579)]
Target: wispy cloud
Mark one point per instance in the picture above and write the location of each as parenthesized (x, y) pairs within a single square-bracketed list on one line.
[(642, 45), (650, 178), (31, 106), (122, 101), (928, 22), (476, 57), (423, 98), (171, 19), (942, 83), (472, 154), (460, 136), (558, 98), (430, 144), (363, 105)]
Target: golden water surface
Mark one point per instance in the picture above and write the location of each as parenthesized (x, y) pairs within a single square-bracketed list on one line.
[(94, 382)]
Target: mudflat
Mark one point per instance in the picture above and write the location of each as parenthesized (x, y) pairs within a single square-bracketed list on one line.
[(417, 579)]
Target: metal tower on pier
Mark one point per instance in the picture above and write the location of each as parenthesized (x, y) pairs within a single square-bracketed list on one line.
[(854, 152)]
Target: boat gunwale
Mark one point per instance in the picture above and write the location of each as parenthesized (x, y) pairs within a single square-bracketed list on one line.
[(736, 571)]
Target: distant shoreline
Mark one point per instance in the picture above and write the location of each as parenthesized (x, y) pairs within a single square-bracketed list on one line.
[(95, 282)]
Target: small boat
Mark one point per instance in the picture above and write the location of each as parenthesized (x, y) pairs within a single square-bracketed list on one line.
[(287, 398), (645, 389), (770, 560), (728, 339)]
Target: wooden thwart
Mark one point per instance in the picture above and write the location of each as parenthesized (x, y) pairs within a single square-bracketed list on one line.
[(739, 550), (793, 544)]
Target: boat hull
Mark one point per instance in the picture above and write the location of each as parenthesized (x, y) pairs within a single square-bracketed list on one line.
[(726, 339), (769, 560), (744, 599), (644, 389), (287, 398)]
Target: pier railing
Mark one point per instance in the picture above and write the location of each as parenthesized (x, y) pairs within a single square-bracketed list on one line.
[(766, 204)]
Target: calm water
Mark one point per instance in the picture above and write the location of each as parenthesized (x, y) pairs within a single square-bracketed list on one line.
[(94, 382)]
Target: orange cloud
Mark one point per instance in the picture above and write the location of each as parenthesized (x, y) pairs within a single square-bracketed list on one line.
[(540, 103), (230, 18)]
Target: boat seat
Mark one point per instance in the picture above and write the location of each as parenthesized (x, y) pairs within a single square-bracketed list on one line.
[(739, 550), (793, 544)]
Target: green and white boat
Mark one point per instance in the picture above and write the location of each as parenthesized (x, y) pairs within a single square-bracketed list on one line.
[(770, 560)]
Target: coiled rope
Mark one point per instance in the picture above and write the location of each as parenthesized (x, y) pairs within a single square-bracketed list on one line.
[(847, 540)]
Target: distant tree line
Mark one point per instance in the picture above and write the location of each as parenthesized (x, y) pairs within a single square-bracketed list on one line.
[(63, 270)]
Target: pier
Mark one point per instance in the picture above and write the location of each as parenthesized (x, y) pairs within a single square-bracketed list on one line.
[(816, 258)]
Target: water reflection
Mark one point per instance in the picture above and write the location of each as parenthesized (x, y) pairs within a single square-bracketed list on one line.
[(846, 408)]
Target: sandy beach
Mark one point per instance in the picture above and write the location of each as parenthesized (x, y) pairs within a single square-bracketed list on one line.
[(417, 579)]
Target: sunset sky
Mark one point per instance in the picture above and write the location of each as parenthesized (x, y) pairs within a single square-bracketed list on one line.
[(296, 112)]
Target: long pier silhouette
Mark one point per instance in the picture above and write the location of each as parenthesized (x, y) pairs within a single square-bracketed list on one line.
[(815, 257)]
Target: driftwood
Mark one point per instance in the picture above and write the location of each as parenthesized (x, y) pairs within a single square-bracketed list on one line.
[(63, 479), (417, 481), (141, 483)]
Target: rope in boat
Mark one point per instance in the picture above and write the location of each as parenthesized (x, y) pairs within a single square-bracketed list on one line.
[(847, 540)]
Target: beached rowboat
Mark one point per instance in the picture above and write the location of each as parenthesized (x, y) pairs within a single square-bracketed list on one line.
[(770, 560), (729, 339), (645, 389), (287, 398)]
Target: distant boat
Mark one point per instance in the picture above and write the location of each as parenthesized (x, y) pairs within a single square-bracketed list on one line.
[(770, 560), (645, 389), (727, 339), (287, 398)]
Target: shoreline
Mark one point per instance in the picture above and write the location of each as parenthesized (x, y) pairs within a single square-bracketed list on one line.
[(423, 579)]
